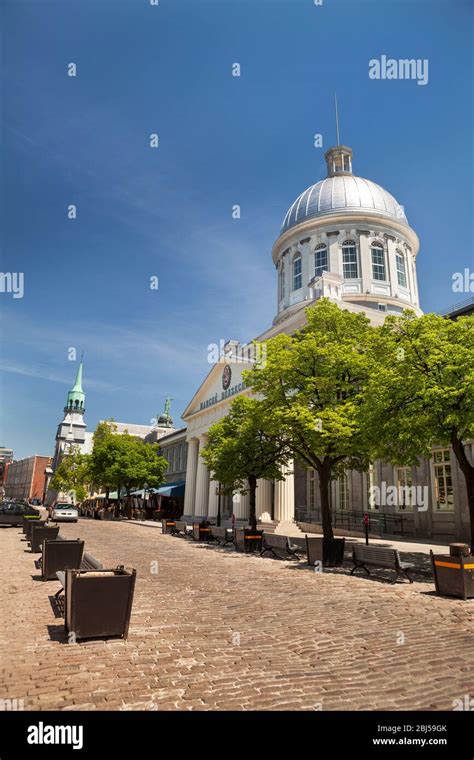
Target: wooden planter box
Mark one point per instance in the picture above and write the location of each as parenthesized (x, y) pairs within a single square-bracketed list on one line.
[(28, 521), (248, 540), (58, 555), (167, 526), (329, 551), (201, 532), (41, 532), (453, 576), (99, 603)]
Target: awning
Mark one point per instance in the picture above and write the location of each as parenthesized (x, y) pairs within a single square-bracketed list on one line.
[(171, 489), (167, 489)]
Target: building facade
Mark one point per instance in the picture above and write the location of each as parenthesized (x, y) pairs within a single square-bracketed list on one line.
[(26, 478), (347, 239)]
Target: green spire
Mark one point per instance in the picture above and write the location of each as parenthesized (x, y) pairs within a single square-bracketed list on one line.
[(76, 397)]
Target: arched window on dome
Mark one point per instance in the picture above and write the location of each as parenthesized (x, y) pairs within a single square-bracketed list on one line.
[(350, 264), (401, 269), (297, 272), (378, 261), (282, 280), (320, 260)]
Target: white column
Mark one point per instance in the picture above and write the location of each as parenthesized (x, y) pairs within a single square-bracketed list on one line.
[(264, 500), (213, 502), (365, 264), (285, 497), (240, 505), (191, 470), (202, 483)]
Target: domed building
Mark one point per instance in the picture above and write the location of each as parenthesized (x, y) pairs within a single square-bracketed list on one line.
[(348, 239)]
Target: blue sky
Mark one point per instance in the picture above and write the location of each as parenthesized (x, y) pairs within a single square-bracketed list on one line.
[(223, 141)]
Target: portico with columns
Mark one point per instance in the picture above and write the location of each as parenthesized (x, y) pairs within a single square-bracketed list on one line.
[(275, 501)]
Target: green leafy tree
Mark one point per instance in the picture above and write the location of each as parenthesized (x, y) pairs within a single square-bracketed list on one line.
[(244, 446), (312, 384), (124, 460), (72, 474), (136, 463), (422, 391), (103, 456)]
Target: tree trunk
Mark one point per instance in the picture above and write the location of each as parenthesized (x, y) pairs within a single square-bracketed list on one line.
[(107, 491), (324, 484), (468, 472), (252, 480)]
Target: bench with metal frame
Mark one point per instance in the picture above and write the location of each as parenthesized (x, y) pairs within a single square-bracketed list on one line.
[(88, 562), (222, 536), (181, 528), (377, 556), (274, 543)]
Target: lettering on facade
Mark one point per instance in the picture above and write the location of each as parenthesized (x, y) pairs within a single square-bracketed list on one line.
[(223, 395)]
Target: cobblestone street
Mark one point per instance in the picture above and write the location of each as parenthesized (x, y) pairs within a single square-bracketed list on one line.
[(217, 630)]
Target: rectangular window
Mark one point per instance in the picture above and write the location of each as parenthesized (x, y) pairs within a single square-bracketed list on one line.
[(297, 277), (320, 261), (443, 484), (342, 493), (382, 306), (401, 271), (378, 264), (349, 263), (404, 483)]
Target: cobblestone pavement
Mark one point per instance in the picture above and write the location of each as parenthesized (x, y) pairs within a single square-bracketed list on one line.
[(216, 630)]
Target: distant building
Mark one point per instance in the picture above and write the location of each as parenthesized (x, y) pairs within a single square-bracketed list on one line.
[(460, 309), (6, 457), (71, 431), (26, 478)]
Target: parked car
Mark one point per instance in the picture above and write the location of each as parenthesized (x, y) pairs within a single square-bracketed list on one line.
[(11, 512), (64, 512)]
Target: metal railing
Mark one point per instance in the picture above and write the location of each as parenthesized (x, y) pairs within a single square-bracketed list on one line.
[(379, 522)]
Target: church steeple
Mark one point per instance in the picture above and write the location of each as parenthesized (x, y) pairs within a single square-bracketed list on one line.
[(76, 397)]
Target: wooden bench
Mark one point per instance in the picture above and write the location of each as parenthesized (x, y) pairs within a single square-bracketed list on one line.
[(181, 529), (275, 543), (222, 536), (377, 556)]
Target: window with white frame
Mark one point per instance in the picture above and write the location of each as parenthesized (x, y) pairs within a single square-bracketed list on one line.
[(443, 484), (320, 260), (350, 267), (311, 489), (297, 275), (378, 261), (342, 493), (401, 269), (404, 483)]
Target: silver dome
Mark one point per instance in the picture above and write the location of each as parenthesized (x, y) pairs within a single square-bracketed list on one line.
[(345, 194)]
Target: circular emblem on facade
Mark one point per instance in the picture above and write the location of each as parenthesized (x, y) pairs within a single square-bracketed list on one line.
[(226, 377)]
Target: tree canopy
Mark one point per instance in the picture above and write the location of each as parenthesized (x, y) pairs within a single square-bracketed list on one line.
[(244, 446)]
